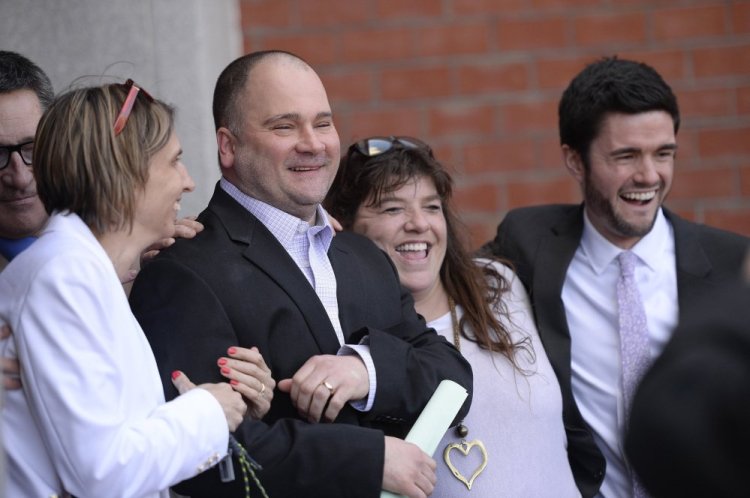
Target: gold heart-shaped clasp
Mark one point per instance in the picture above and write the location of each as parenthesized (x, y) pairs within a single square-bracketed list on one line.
[(465, 448)]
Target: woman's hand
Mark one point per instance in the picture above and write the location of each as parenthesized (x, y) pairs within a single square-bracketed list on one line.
[(231, 401), (249, 375)]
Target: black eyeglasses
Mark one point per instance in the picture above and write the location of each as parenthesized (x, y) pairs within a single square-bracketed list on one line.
[(374, 146), (127, 106), (25, 150)]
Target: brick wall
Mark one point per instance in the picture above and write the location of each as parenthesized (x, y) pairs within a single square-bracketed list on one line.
[(480, 81)]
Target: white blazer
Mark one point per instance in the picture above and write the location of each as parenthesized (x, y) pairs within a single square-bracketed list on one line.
[(91, 418)]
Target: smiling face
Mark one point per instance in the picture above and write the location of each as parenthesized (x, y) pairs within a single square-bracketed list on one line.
[(409, 225), (158, 203), (287, 151), (631, 163), (21, 211)]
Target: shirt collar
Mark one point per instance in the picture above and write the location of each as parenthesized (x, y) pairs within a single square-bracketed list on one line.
[(281, 224), (650, 249)]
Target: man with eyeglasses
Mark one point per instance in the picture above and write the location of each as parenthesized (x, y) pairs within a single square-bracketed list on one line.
[(25, 92)]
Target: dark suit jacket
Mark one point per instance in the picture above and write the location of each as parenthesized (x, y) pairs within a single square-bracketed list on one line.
[(234, 284), (541, 241), (688, 434)]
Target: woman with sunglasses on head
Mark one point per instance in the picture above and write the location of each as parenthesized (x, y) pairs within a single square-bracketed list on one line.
[(91, 420), (512, 442)]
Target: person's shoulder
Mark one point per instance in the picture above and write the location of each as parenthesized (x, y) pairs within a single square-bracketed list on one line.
[(708, 236), (542, 215)]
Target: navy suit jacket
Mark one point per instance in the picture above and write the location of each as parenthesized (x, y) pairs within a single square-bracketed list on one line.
[(234, 284), (541, 241)]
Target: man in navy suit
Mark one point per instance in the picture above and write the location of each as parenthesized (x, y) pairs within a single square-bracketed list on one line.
[(328, 313), (618, 123)]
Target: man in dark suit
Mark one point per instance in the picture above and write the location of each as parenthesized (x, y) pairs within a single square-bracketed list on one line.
[(688, 434), (618, 122), (328, 314)]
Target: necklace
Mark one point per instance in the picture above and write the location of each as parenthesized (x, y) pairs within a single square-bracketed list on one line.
[(461, 429)]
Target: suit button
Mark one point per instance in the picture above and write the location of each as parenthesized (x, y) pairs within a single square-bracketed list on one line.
[(599, 474)]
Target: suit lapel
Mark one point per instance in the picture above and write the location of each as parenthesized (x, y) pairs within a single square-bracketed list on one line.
[(556, 250), (693, 266), (266, 253)]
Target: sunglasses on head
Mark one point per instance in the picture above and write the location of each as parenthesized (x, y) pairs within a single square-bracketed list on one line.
[(127, 106), (374, 146)]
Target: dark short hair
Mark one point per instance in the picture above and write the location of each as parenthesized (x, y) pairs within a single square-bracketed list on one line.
[(19, 73), (227, 106), (82, 166), (610, 85)]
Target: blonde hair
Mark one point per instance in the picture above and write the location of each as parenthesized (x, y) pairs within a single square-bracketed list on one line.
[(80, 164)]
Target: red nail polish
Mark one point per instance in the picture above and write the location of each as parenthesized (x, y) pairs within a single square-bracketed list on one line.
[(232, 350), (175, 374), (233, 382), (222, 361), (225, 370)]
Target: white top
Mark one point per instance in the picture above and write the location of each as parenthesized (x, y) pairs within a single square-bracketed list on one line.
[(590, 298), (518, 417), (91, 418)]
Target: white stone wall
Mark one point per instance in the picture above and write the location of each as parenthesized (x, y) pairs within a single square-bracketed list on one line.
[(175, 49)]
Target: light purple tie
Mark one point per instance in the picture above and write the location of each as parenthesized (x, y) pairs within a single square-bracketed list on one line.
[(634, 342)]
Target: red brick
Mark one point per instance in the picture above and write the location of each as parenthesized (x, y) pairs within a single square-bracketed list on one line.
[(470, 7), (610, 28), (362, 46), (398, 9), (549, 154), (479, 233), (399, 121), (492, 78), (743, 100), (745, 181), (348, 86), (740, 16), (670, 64), (452, 39), (703, 184), (476, 198), (416, 83), (564, 4), (333, 12), (555, 189), (461, 120), (701, 103), (261, 14), (317, 49), (722, 61), (547, 33), (689, 22), (529, 116), (557, 73), (499, 155), (724, 142), (735, 220)]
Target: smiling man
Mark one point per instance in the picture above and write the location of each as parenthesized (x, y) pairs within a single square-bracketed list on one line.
[(327, 313), (618, 124)]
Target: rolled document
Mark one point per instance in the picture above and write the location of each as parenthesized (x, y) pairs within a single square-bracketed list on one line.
[(435, 419)]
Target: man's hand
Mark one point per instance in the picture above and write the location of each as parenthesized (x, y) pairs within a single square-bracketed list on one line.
[(408, 470), (249, 375), (322, 386), (10, 366)]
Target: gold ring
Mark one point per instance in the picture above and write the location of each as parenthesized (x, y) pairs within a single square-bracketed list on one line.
[(262, 389), (328, 386)]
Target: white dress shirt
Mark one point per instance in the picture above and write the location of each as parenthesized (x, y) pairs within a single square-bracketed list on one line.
[(91, 418), (308, 245), (590, 299)]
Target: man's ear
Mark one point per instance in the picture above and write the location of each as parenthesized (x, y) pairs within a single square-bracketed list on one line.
[(573, 163), (226, 143)]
